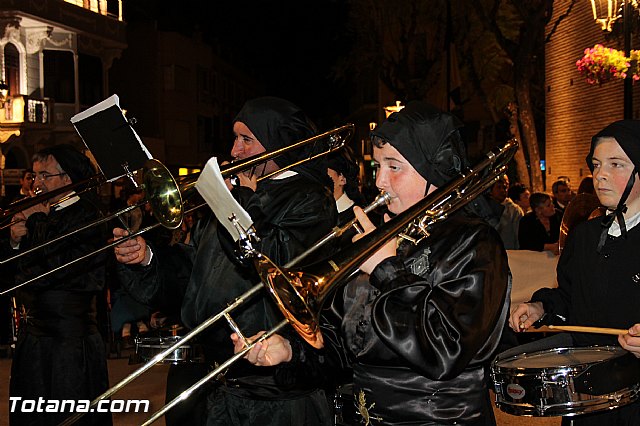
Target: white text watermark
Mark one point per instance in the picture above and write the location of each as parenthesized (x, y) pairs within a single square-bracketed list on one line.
[(41, 405)]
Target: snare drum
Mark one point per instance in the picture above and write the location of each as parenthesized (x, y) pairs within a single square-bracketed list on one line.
[(148, 347), (565, 381)]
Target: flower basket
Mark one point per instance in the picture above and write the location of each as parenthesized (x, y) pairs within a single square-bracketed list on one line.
[(602, 64)]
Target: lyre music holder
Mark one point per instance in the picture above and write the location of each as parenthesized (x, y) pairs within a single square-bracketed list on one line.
[(109, 136)]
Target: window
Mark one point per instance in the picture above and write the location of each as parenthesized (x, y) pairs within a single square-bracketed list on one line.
[(90, 79), (12, 69), (59, 75), (37, 111)]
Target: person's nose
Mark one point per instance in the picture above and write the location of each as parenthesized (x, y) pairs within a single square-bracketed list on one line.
[(238, 148), (39, 188), (382, 181)]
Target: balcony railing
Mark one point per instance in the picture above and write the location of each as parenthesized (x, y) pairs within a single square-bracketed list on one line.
[(23, 110)]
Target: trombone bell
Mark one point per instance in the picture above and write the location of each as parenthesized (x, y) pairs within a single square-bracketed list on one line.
[(298, 295), (163, 194)]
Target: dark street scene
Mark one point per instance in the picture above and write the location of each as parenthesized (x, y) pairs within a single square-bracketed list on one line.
[(322, 213)]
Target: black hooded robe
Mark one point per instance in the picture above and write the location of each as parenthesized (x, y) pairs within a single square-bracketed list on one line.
[(289, 214), (60, 354), (421, 330)]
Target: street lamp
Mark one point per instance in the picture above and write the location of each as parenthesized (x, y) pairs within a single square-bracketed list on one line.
[(605, 12)]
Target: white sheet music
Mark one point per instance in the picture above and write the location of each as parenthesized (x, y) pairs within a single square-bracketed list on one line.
[(213, 189)]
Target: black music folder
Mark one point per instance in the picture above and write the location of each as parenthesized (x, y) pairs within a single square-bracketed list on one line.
[(108, 134)]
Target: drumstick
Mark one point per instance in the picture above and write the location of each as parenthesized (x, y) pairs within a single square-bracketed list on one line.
[(581, 329)]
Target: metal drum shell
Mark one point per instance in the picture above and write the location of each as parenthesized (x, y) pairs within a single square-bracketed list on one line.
[(148, 347), (550, 391)]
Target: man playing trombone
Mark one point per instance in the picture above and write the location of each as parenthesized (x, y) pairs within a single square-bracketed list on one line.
[(60, 354), (290, 211), (421, 327)]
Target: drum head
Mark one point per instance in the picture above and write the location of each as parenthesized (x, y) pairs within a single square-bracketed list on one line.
[(559, 358)]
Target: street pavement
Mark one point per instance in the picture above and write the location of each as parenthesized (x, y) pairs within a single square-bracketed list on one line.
[(151, 386)]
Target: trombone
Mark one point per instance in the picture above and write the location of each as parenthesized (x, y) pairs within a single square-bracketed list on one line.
[(20, 205), (300, 294), (381, 199), (166, 196)]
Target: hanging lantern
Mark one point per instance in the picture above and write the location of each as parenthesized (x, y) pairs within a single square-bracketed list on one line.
[(605, 12)]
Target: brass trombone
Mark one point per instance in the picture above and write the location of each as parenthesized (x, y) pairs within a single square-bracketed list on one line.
[(166, 196), (300, 294)]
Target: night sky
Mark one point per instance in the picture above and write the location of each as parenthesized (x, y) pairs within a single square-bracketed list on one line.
[(289, 45)]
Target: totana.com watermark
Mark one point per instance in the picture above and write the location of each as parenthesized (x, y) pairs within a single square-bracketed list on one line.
[(41, 405)]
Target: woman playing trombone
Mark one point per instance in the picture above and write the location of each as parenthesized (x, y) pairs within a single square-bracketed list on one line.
[(421, 327)]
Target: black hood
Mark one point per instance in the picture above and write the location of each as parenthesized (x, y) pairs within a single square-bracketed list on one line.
[(75, 164), (278, 123), (428, 138), (627, 134)]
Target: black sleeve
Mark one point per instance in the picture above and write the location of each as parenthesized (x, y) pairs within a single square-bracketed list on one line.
[(440, 322)]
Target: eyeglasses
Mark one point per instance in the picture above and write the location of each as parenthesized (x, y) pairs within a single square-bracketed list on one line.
[(44, 175)]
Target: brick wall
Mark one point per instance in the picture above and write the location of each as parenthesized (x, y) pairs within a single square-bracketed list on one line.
[(575, 110)]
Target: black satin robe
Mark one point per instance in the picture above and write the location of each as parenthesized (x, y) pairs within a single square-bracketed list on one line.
[(421, 330), (60, 353), (289, 216), (598, 290)]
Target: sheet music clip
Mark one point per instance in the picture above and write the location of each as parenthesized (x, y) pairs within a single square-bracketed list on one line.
[(246, 239), (128, 173)]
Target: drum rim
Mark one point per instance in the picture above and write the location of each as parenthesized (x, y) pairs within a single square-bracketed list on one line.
[(495, 367), (625, 396)]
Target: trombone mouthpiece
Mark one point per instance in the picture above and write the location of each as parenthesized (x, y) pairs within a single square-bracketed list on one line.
[(382, 199)]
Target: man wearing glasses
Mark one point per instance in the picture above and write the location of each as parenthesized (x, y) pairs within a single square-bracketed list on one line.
[(60, 354)]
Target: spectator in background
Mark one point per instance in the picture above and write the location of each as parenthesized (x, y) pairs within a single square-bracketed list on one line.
[(26, 185), (343, 171), (133, 218), (586, 186), (519, 194), (182, 234), (561, 194), (511, 214), (540, 229)]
